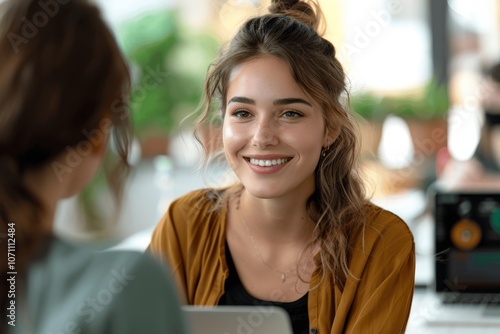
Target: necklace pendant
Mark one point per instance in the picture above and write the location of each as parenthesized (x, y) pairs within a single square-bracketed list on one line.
[(283, 278)]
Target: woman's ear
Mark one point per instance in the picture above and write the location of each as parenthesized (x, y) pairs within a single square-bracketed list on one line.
[(330, 137)]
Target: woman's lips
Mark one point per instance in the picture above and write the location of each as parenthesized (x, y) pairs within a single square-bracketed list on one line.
[(267, 166)]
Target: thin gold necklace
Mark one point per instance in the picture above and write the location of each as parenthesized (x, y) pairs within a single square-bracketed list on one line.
[(257, 248)]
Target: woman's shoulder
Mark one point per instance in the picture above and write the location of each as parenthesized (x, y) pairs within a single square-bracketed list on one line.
[(379, 218), (201, 199), (386, 241), (193, 212), (142, 274), (195, 206), (88, 264), (381, 224), (131, 261), (99, 287)]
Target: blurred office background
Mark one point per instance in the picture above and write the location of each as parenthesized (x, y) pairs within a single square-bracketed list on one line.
[(412, 65), (415, 70)]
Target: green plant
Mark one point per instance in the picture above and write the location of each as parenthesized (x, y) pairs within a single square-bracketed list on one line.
[(431, 103), (169, 62), (367, 105)]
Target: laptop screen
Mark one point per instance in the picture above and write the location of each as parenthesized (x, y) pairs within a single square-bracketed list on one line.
[(467, 226)]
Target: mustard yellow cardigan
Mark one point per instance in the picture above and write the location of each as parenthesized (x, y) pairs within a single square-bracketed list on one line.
[(191, 239)]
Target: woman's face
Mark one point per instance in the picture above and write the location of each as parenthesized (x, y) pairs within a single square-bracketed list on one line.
[(272, 132)]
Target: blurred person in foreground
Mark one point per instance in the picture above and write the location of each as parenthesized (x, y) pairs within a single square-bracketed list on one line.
[(482, 171), (297, 230), (62, 86)]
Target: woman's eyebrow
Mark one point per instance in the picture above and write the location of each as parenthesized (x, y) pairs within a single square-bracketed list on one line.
[(240, 99), (291, 100), (278, 102)]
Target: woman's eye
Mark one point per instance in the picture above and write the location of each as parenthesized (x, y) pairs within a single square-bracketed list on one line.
[(241, 114), (292, 114)]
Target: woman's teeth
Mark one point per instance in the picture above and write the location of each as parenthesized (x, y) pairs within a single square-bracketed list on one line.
[(267, 163)]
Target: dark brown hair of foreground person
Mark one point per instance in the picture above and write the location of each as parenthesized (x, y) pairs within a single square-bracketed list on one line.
[(61, 75), (290, 32)]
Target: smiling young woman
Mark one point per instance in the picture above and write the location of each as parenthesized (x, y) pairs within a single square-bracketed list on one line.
[(297, 230)]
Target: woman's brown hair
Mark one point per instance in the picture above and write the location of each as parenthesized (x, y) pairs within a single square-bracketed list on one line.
[(290, 32), (62, 80)]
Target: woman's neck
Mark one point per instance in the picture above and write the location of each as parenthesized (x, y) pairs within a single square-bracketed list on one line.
[(47, 191), (282, 221)]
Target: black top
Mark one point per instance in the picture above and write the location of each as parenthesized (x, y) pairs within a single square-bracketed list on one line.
[(235, 294)]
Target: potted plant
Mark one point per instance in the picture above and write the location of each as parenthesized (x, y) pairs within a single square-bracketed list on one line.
[(424, 111), (169, 61)]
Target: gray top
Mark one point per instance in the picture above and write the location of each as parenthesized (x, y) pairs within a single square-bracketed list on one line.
[(74, 289)]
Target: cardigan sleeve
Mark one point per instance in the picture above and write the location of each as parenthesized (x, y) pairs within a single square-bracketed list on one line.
[(167, 243), (383, 294), (189, 239)]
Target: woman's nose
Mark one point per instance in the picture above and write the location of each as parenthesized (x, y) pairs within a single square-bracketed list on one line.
[(264, 135)]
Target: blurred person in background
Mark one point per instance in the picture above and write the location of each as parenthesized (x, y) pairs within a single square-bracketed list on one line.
[(63, 83), (297, 230), (482, 171)]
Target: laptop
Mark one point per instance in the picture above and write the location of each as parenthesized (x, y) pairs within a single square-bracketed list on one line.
[(467, 259), (237, 319)]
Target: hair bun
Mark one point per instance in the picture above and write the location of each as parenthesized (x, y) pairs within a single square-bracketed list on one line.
[(305, 12)]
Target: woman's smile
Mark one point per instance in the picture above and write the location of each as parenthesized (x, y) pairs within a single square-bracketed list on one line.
[(269, 165)]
